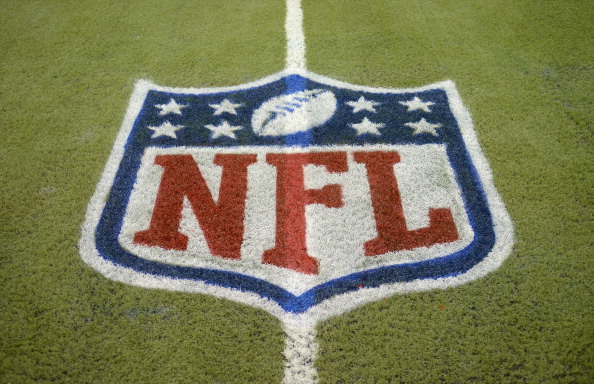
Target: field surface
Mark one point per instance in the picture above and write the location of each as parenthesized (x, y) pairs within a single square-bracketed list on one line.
[(525, 70)]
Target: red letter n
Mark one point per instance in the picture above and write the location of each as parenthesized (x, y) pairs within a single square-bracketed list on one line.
[(221, 222)]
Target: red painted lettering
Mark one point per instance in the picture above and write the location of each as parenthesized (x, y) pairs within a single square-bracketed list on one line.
[(221, 222), (392, 234), (290, 250)]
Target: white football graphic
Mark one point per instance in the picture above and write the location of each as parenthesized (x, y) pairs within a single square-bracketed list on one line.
[(295, 112)]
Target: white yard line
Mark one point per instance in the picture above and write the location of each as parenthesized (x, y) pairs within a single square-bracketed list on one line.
[(300, 353), (301, 348), (295, 36)]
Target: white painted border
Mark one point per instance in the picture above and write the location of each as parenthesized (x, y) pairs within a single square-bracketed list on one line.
[(332, 306)]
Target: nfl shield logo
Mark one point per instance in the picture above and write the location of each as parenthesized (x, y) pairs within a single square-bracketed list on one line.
[(298, 194)]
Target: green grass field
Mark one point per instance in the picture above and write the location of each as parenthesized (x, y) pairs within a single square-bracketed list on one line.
[(525, 70)]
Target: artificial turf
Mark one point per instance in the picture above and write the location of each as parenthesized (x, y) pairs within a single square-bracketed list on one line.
[(525, 70)]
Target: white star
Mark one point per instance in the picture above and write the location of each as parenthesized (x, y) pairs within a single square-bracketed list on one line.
[(225, 106), (223, 129), (363, 105), (171, 107), (417, 103), (367, 126), (423, 126), (165, 129)]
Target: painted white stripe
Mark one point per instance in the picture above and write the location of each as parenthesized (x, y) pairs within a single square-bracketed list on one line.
[(300, 353), (295, 36), (301, 348)]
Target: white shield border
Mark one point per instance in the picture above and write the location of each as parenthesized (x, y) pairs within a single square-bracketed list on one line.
[(503, 227)]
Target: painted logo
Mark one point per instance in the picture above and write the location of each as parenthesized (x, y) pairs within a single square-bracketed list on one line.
[(298, 194)]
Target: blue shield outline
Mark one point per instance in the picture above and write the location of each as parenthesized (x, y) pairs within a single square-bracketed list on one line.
[(493, 232)]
